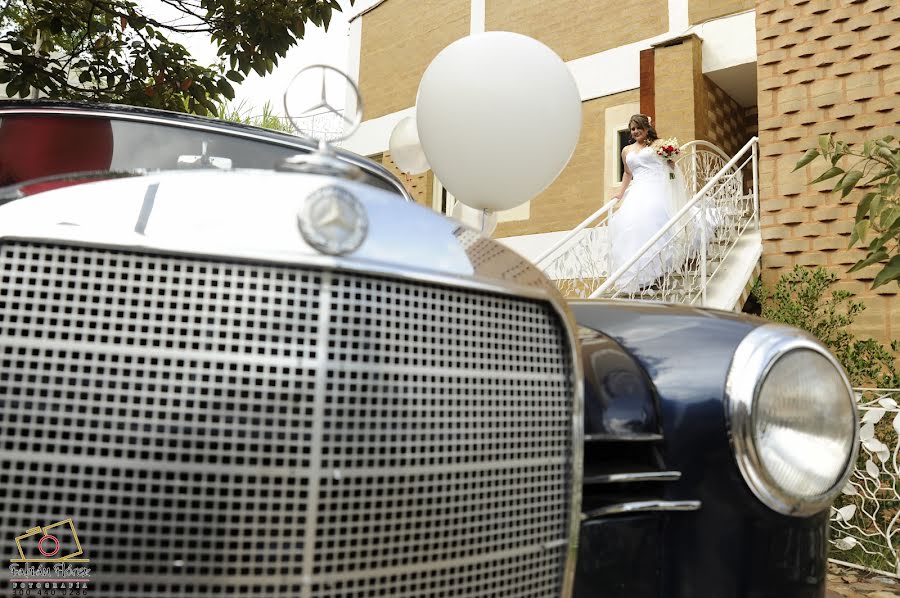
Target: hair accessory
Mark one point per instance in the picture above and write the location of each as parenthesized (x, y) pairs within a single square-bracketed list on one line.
[(649, 120)]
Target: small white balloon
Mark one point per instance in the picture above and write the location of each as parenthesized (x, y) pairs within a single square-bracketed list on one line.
[(406, 151), (499, 115), (481, 220)]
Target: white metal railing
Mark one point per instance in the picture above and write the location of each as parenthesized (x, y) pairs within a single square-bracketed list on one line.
[(865, 519), (579, 262), (699, 236), (688, 255)]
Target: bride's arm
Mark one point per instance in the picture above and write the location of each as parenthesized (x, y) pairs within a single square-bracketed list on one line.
[(626, 178)]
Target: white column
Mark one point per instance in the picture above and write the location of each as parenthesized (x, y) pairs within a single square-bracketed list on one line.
[(354, 51), (477, 22), (679, 21)]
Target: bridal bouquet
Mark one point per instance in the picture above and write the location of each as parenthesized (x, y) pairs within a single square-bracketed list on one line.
[(667, 149)]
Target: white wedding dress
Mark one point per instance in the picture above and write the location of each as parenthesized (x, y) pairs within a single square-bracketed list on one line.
[(651, 199)]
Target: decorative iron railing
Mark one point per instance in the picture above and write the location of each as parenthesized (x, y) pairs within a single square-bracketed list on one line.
[(865, 519), (684, 254), (323, 125), (579, 262)]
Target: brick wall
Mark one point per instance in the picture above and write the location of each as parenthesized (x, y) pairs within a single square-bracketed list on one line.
[(420, 186), (576, 28), (399, 40), (704, 10), (724, 121), (579, 190), (823, 67), (751, 122)]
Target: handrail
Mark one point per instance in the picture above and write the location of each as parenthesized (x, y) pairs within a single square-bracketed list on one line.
[(728, 251), (571, 235), (673, 221), (706, 145)]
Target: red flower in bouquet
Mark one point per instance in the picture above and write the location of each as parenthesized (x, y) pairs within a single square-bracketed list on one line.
[(668, 149)]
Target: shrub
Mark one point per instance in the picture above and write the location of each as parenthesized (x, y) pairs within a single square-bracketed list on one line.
[(800, 298)]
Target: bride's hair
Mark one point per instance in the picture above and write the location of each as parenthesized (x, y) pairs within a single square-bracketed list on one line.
[(643, 122)]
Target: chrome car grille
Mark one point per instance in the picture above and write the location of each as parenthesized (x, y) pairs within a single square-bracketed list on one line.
[(625, 474), (247, 429)]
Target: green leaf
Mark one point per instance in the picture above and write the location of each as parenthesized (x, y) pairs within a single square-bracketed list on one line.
[(225, 88), (859, 232), (877, 177), (872, 258), (863, 208), (875, 206), (885, 152), (825, 143), (888, 218), (888, 273), (209, 105), (235, 76), (830, 173), (877, 243), (808, 157), (850, 180)]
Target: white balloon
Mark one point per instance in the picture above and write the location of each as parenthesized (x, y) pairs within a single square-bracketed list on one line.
[(481, 220), (406, 151), (498, 116)]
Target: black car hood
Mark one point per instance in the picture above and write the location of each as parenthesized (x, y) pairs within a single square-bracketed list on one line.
[(685, 351)]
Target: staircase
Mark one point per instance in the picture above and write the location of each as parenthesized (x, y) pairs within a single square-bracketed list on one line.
[(710, 266)]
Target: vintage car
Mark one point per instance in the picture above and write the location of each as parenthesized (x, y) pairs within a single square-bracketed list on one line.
[(236, 363)]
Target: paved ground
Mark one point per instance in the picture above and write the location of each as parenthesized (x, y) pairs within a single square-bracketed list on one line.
[(844, 582)]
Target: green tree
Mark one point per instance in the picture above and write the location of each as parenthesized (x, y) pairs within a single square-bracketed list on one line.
[(115, 51), (875, 170), (801, 298)]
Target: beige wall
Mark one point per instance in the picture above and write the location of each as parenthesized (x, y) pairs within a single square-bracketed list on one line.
[(399, 40), (680, 90), (824, 67), (576, 28), (579, 190), (704, 10)]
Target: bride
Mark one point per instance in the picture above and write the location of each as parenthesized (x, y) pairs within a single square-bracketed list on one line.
[(649, 199)]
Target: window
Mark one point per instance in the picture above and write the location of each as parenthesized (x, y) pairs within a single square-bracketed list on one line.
[(623, 139), (616, 135)]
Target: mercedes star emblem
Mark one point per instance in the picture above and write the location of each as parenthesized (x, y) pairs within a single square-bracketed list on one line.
[(333, 221), (309, 103)]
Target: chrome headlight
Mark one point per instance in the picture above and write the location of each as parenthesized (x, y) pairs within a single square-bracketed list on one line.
[(792, 418)]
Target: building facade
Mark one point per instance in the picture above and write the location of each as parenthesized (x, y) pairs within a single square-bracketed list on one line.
[(719, 70)]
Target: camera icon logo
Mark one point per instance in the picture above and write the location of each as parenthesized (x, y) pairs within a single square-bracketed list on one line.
[(54, 543)]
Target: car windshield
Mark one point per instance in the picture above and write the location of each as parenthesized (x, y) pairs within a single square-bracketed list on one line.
[(48, 146)]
